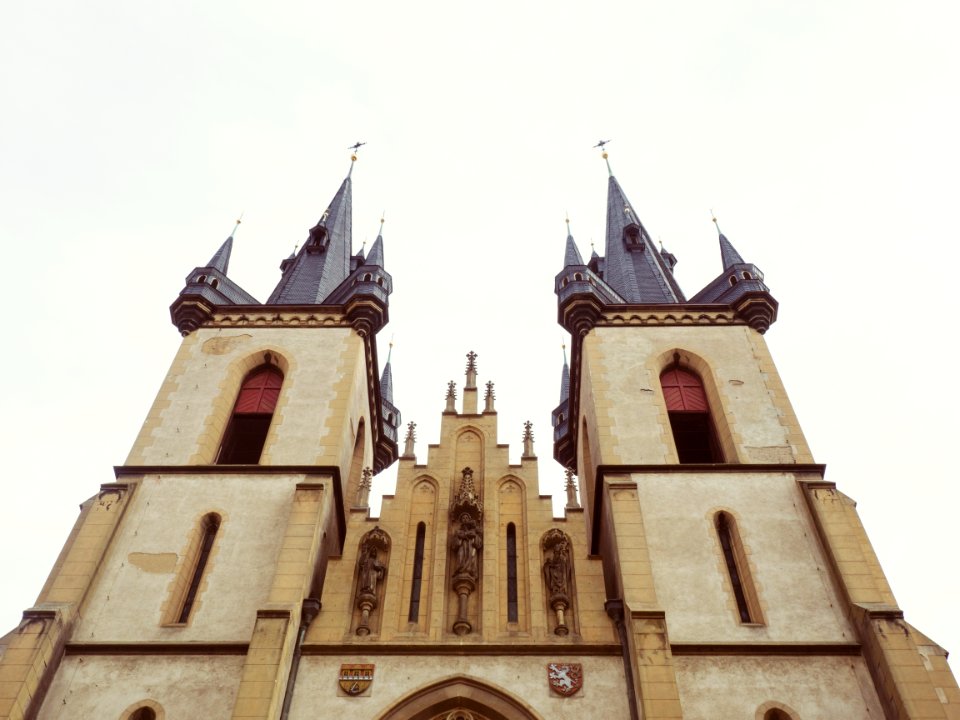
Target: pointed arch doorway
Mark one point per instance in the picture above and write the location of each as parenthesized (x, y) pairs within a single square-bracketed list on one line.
[(460, 698)]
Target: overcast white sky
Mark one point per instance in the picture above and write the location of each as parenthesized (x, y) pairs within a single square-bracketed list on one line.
[(823, 133)]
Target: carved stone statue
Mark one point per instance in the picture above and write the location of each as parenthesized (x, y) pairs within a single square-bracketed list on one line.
[(558, 575), (369, 570), (467, 543)]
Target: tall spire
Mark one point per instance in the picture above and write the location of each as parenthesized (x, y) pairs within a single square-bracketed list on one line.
[(324, 260), (728, 253), (634, 268)]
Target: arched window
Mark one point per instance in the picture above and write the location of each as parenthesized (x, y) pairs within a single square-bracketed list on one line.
[(776, 714), (208, 533), (738, 569), (252, 413), (143, 713), (689, 413), (512, 608), (414, 614)]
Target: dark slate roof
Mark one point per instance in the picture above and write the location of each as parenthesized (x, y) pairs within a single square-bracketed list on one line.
[(728, 253), (386, 383), (633, 267), (571, 254), (221, 258), (375, 256), (323, 262), (565, 382)]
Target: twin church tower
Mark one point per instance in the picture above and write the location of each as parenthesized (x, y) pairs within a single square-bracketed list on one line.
[(705, 570)]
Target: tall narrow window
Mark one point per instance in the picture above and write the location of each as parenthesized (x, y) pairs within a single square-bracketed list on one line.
[(512, 610), (209, 527), (738, 569), (689, 414), (414, 614), (252, 413)]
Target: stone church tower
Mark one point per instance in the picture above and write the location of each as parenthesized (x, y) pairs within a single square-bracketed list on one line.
[(707, 570)]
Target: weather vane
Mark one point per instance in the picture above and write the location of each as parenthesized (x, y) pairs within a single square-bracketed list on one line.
[(603, 152), (353, 154)]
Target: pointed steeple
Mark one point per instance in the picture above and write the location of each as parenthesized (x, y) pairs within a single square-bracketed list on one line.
[(386, 379), (324, 260), (206, 287), (375, 256), (571, 255), (564, 379), (221, 258), (633, 267), (728, 253)]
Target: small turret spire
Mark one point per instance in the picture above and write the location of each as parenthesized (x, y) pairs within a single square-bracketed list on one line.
[(571, 255), (489, 398), (564, 378), (363, 490), (386, 379), (728, 254), (528, 440), (408, 442), (451, 397), (571, 487), (471, 372)]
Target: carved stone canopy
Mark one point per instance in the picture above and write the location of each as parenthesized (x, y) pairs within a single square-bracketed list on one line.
[(376, 538), (466, 500)]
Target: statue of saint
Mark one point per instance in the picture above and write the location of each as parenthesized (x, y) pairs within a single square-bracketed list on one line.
[(557, 569), (370, 570), (467, 543)]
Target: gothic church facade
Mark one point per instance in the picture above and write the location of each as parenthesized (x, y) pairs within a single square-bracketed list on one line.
[(706, 570)]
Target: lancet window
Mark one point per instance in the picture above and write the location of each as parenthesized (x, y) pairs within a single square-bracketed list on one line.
[(689, 412), (738, 570), (252, 413)]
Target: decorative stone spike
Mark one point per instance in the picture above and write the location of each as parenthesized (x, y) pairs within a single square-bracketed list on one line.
[(471, 370), (451, 397), (363, 491), (571, 488), (408, 450), (489, 398), (528, 440)]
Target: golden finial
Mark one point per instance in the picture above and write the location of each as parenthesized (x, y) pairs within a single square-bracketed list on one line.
[(713, 217), (567, 220), (239, 220), (383, 219), (604, 155), (353, 155)]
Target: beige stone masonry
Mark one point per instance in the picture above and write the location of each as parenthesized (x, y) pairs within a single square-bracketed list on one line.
[(33, 655), (267, 665)]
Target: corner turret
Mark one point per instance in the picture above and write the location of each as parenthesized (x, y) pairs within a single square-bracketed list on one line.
[(207, 287), (741, 286)]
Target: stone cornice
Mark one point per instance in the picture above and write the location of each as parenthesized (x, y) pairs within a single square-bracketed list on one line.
[(522, 647), (768, 649)]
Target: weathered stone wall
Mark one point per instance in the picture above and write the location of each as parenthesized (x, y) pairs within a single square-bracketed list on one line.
[(130, 599), (95, 686), (743, 688), (522, 678)]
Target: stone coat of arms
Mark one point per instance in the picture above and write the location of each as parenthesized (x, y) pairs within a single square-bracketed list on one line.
[(565, 678), (354, 679)]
